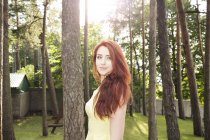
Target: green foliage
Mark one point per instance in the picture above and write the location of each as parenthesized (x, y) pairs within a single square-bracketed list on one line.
[(185, 85), (53, 41), (29, 26), (200, 84), (29, 71), (26, 33)]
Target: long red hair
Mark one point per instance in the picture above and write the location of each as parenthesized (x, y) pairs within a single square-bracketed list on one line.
[(114, 90)]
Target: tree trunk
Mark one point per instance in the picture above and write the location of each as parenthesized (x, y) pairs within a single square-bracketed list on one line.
[(17, 57), (17, 48), (190, 71), (73, 95), (14, 58), (207, 77), (143, 63), (166, 74), (86, 65), (44, 99), (174, 65), (1, 66), (7, 116), (51, 86), (138, 70), (179, 74), (131, 57), (36, 66), (152, 73), (199, 34)]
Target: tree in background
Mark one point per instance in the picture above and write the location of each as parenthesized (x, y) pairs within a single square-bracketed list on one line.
[(207, 77), (131, 53), (178, 88), (190, 71), (143, 63), (44, 98), (24, 17), (1, 66), (86, 65), (49, 79), (17, 10), (16, 45), (7, 118), (152, 73), (199, 32), (32, 38), (53, 42), (73, 95), (166, 74), (36, 67), (51, 86)]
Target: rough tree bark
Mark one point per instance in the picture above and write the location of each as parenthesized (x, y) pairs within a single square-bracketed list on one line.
[(166, 74), (7, 117), (73, 95), (1, 66), (179, 74), (152, 72), (44, 98), (207, 77)]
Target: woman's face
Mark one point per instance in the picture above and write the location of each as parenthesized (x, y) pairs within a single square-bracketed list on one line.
[(103, 62)]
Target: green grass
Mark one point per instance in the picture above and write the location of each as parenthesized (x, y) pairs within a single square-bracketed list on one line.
[(136, 128), (30, 128)]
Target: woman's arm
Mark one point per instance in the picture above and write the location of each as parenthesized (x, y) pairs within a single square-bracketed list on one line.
[(117, 123)]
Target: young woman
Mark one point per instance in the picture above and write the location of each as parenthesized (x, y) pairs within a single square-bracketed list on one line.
[(106, 109)]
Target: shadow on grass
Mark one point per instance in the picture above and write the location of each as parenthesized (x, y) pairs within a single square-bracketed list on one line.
[(136, 127)]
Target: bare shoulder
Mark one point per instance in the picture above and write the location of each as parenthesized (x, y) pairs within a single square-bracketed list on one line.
[(121, 110)]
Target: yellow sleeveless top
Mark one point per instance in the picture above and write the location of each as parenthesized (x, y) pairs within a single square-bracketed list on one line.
[(97, 129)]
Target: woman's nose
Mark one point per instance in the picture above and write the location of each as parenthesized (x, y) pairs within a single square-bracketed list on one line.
[(103, 61)]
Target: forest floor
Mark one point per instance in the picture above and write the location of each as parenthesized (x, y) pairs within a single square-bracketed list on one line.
[(30, 128)]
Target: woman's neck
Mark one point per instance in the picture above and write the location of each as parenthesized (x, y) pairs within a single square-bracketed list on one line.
[(102, 78)]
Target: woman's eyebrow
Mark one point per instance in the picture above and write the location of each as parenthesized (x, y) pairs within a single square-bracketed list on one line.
[(102, 54)]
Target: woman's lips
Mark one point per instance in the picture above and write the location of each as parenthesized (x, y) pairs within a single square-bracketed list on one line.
[(102, 68)]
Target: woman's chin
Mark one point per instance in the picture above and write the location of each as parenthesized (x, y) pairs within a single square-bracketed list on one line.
[(103, 74)]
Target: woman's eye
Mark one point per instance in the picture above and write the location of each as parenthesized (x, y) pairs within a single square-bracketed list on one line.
[(98, 57), (109, 58)]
